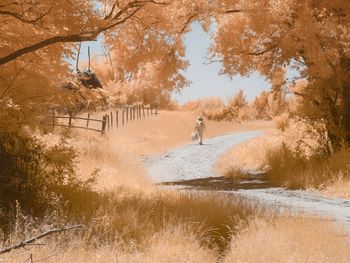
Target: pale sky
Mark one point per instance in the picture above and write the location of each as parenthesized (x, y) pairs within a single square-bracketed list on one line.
[(205, 78)]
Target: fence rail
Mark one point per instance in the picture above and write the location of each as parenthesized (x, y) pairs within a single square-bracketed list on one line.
[(114, 119)]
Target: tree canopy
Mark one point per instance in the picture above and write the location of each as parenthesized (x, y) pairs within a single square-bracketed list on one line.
[(145, 39)]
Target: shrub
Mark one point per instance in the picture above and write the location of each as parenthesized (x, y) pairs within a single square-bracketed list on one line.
[(282, 122), (31, 173)]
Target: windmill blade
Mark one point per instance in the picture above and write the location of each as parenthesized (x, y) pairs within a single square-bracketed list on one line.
[(77, 64), (89, 56)]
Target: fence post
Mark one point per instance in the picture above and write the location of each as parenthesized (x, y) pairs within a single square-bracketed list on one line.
[(147, 111), (111, 113), (151, 111), (127, 114), (88, 120), (70, 120), (117, 118), (103, 130), (123, 117), (53, 119), (107, 121), (143, 111), (156, 111), (133, 112)]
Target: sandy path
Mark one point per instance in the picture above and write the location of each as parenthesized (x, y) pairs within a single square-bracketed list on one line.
[(194, 162)]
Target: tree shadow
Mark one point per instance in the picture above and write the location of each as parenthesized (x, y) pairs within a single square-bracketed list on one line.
[(224, 184)]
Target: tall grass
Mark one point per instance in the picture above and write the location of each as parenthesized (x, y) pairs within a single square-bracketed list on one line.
[(290, 239), (131, 217), (293, 169), (275, 239), (134, 220)]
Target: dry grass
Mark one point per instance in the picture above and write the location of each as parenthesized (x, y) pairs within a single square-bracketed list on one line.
[(247, 156), (116, 156), (266, 153), (283, 239), (287, 164), (116, 168), (293, 169), (170, 129), (290, 239), (176, 226), (175, 244), (130, 220), (251, 155), (340, 188)]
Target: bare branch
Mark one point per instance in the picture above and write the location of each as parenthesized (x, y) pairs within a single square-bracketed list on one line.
[(24, 20), (13, 3), (188, 21), (47, 42), (231, 11), (110, 13), (33, 239), (13, 80), (260, 52)]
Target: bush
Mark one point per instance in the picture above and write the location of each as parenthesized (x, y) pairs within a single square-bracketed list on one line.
[(282, 122), (31, 173)]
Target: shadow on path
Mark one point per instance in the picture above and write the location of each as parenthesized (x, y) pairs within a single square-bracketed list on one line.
[(223, 183)]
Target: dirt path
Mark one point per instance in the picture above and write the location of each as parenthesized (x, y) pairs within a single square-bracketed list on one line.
[(193, 161), (191, 167)]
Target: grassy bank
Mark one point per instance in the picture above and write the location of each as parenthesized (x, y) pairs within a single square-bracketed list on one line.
[(127, 219)]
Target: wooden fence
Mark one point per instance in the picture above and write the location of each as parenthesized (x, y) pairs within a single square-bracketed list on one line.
[(114, 119)]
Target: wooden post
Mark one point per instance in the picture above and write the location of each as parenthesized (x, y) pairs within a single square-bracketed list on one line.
[(156, 111), (123, 117), (108, 121), (111, 119), (70, 120), (151, 111), (133, 112), (147, 111), (53, 119), (140, 112), (127, 114), (143, 111), (104, 119), (88, 120), (117, 118)]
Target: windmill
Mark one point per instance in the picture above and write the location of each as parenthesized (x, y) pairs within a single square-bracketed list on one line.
[(87, 78)]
